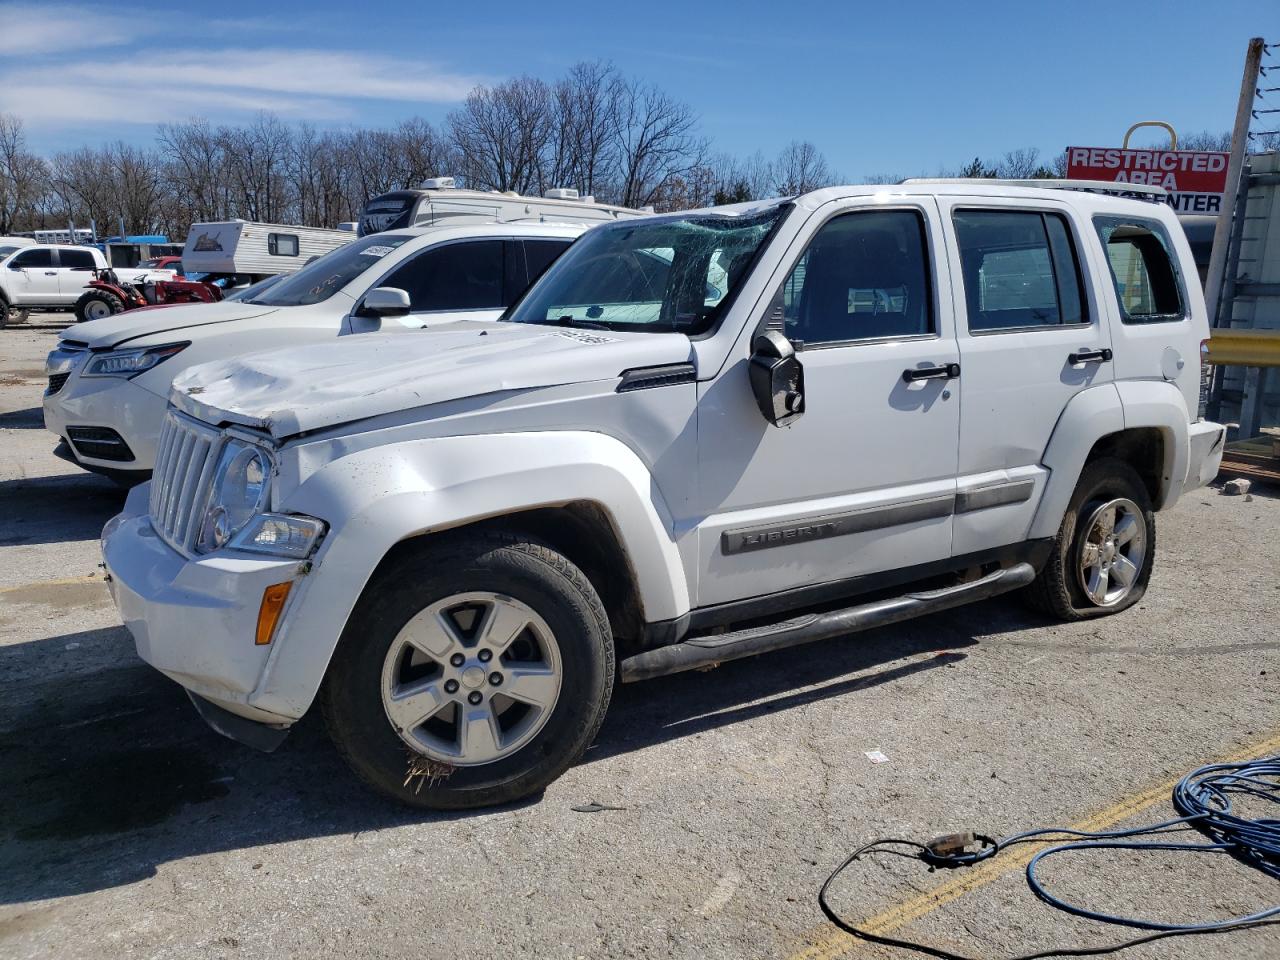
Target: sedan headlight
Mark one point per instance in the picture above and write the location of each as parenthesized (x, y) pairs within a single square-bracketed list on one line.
[(239, 493), (130, 363)]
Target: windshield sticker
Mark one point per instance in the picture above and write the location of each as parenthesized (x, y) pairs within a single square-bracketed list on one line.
[(376, 251), (585, 337)]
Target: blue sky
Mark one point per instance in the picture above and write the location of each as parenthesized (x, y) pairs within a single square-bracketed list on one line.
[(885, 88)]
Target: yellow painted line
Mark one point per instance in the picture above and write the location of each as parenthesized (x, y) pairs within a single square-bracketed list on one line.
[(829, 943), (53, 583)]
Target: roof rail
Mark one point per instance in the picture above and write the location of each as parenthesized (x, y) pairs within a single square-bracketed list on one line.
[(1090, 186)]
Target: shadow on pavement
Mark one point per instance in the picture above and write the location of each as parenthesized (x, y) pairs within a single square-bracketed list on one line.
[(57, 509), (30, 419), (110, 773)]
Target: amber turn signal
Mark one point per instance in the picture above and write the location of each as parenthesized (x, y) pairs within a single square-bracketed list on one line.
[(273, 599)]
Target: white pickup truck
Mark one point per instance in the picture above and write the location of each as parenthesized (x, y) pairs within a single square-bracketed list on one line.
[(697, 437), (52, 277)]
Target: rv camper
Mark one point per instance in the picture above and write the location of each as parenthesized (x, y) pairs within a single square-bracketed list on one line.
[(256, 250), (441, 203)]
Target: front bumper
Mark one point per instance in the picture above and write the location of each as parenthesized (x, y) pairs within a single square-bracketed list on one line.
[(132, 411), (194, 619)]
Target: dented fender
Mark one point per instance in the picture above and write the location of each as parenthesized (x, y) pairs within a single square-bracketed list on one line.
[(374, 498)]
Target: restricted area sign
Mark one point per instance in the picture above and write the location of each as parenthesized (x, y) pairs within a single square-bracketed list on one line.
[(1196, 179)]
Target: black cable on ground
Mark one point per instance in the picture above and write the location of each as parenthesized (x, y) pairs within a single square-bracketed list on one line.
[(1204, 797)]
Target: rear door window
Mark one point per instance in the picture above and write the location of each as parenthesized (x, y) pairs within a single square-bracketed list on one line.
[(1020, 270), (540, 254), (456, 276), (1143, 270), (76, 259)]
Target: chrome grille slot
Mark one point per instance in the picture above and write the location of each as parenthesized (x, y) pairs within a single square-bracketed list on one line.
[(184, 462)]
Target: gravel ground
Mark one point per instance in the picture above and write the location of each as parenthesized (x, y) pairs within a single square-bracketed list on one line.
[(127, 828)]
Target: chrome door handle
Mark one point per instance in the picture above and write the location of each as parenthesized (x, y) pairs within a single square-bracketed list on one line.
[(1089, 356), (948, 371), (51, 273)]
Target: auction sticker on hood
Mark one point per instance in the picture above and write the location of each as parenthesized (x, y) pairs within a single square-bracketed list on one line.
[(585, 337)]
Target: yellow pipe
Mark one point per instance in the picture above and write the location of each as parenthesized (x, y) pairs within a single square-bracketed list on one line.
[(1245, 348)]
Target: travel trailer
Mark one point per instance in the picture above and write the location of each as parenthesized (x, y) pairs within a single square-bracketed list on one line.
[(441, 202), (258, 250)]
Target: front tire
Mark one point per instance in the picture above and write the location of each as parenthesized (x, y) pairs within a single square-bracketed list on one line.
[(11, 315), (96, 304), (472, 672), (1103, 555)]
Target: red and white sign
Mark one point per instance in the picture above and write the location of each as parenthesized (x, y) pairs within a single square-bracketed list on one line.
[(1196, 179)]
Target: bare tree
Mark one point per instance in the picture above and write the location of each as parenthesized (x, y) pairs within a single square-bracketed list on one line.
[(801, 167), (24, 177), (502, 134), (656, 141), (195, 170), (583, 150)]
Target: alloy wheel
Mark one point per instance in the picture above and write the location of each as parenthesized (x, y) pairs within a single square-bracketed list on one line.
[(472, 678), (1112, 551)]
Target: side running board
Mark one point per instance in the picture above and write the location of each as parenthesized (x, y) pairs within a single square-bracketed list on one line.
[(720, 648)]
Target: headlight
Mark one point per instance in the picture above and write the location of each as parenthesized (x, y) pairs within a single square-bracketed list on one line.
[(239, 493), (279, 535), (129, 363)]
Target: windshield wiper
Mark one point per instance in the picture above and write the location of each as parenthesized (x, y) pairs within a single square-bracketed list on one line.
[(568, 321)]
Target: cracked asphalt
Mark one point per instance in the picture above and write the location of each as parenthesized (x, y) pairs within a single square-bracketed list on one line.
[(128, 829)]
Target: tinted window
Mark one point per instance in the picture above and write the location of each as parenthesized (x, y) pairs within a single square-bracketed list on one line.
[(33, 258), (322, 278), (457, 276), (1020, 269), (540, 254), (656, 273), (1142, 269), (282, 244), (865, 275), (76, 258)]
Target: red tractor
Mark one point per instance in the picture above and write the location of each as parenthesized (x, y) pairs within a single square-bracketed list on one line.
[(107, 294)]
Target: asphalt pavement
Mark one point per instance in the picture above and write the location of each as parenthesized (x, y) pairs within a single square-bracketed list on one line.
[(129, 829)]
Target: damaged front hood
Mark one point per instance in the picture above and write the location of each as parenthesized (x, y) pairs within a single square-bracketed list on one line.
[(118, 330), (296, 390)]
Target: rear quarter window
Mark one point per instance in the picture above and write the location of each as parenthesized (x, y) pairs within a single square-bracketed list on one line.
[(1144, 270)]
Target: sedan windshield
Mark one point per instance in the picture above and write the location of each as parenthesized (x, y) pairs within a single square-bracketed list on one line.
[(672, 273), (322, 278)]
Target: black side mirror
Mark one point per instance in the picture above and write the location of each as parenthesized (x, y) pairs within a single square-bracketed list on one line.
[(777, 378)]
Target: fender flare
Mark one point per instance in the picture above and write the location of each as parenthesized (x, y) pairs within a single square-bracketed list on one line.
[(1160, 405), (1088, 416), (380, 496), (1098, 412)]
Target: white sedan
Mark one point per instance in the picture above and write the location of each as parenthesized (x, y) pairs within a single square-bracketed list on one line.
[(109, 379)]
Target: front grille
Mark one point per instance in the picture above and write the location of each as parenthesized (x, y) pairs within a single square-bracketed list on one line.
[(100, 443), (185, 459), (56, 382)]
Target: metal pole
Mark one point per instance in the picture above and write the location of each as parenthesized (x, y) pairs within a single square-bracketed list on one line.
[(1228, 295), (1239, 140)]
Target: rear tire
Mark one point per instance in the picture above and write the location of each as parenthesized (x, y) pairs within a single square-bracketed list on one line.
[(96, 304), (1093, 571), (561, 640)]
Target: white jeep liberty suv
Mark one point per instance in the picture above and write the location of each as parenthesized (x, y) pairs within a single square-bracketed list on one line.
[(697, 437)]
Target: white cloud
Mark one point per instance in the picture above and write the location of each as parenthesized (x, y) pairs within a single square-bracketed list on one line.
[(51, 105), (144, 80), (304, 72), (31, 29)]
